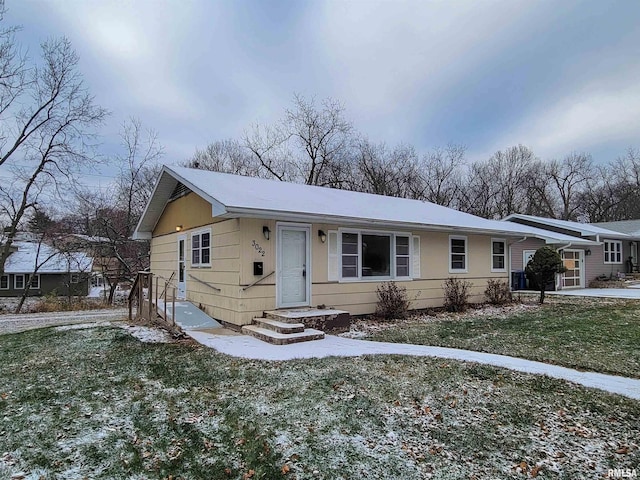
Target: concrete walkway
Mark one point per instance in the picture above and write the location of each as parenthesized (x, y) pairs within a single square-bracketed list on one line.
[(249, 347), (630, 293)]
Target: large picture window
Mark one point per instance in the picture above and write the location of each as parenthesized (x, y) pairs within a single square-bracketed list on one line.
[(612, 251), (457, 254), (368, 255), (201, 249)]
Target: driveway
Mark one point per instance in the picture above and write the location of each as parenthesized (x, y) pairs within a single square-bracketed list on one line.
[(13, 323), (632, 293)]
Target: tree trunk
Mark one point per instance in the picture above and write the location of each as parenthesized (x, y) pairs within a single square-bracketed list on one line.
[(542, 294)]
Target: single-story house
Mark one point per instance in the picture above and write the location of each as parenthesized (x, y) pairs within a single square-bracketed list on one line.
[(57, 272), (238, 246), (590, 251), (631, 228)]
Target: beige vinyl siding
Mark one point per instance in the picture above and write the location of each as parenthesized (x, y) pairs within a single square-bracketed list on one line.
[(224, 272), (359, 297), (237, 243)]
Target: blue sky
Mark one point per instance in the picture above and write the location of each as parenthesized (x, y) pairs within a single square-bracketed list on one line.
[(557, 76)]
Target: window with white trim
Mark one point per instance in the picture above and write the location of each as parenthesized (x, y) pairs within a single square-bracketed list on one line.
[(201, 249), (75, 278), (612, 251), (403, 256), (457, 254), (374, 255), (18, 282), (498, 255), (4, 282), (35, 282)]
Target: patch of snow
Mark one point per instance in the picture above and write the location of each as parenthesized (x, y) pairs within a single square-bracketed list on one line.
[(331, 346), (629, 293), (81, 326), (147, 334)]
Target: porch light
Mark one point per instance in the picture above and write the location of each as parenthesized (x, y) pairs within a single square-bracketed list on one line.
[(178, 228), (322, 235), (266, 232), (587, 252)]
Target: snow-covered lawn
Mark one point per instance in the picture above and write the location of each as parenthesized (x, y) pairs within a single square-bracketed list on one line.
[(96, 402)]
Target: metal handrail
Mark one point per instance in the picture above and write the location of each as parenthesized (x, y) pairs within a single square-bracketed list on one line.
[(259, 280), (166, 283), (205, 283)]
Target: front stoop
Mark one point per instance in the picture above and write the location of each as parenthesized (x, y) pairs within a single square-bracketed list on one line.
[(276, 338), (282, 327), (321, 319)]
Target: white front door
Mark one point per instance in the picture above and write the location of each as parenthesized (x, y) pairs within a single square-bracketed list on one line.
[(574, 262), (182, 258), (293, 283)]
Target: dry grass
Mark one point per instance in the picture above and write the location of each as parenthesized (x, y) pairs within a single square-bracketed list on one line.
[(97, 403)]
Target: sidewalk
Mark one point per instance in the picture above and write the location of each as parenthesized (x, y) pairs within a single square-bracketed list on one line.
[(249, 347)]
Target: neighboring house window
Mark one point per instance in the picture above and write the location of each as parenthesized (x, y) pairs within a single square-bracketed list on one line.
[(498, 255), (4, 282), (612, 251), (18, 282), (75, 278), (201, 249), (457, 254), (35, 282), (367, 255)]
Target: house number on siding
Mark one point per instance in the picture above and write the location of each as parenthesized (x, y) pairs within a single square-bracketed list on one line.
[(258, 248)]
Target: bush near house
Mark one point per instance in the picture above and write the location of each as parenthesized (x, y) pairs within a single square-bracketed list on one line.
[(498, 292), (456, 294), (393, 302), (543, 267)]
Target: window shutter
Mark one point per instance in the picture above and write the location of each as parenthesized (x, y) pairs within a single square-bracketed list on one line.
[(415, 258), (333, 256)]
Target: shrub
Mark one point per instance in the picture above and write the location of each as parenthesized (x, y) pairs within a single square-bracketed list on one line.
[(498, 292), (456, 294), (392, 301), (543, 268)]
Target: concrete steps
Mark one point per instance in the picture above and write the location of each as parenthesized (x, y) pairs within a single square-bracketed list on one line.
[(277, 338), (281, 327)]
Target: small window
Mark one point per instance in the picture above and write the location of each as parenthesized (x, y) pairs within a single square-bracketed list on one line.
[(201, 249), (402, 256), (18, 282), (4, 282), (498, 256), (35, 282), (349, 255), (75, 278), (612, 251), (457, 254)]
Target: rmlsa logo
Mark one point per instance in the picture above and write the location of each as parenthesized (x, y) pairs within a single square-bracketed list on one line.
[(623, 473)]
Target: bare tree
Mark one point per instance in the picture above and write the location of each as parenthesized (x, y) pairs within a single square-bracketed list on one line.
[(227, 156), (381, 170), (47, 126), (567, 177), (111, 221), (440, 176), (306, 146)]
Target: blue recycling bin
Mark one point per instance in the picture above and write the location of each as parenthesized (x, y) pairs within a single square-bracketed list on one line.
[(522, 281)]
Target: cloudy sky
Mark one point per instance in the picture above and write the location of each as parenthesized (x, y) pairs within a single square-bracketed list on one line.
[(557, 76)]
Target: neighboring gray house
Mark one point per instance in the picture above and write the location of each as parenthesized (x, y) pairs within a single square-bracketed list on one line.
[(57, 272), (591, 250), (631, 228)]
